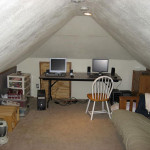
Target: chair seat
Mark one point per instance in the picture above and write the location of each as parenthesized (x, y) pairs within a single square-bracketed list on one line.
[(97, 98)]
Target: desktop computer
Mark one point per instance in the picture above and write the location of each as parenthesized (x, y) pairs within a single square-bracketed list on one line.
[(41, 100)]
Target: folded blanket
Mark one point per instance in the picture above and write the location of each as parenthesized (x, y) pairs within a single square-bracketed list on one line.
[(141, 106), (147, 102)]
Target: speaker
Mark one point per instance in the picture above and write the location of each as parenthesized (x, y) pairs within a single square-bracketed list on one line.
[(47, 71), (112, 71), (71, 72), (41, 100), (88, 69)]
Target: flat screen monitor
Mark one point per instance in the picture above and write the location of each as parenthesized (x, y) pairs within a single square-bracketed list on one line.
[(57, 65), (100, 65)]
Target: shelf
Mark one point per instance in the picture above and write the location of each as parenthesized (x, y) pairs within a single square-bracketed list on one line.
[(19, 82), (14, 81)]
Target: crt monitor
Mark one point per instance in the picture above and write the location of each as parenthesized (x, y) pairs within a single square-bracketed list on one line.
[(100, 65), (57, 65)]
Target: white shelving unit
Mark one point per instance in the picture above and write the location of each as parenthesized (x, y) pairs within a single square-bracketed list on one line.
[(20, 82)]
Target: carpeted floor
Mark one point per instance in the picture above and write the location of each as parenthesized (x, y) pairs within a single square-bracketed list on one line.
[(63, 128)]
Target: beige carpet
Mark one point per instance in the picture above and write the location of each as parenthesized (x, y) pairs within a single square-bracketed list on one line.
[(63, 128)]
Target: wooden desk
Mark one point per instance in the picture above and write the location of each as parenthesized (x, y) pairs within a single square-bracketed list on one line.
[(77, 77)]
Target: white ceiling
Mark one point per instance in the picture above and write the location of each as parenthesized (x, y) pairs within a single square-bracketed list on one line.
[(25, 25), (82, 38)]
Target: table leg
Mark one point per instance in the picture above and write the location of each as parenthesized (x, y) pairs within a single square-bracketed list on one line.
[(49, 92)]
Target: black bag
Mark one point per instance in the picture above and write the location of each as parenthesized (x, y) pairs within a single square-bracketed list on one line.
[(141, 107)]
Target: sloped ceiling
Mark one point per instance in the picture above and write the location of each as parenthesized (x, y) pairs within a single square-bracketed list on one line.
[(26, 24), (82, 38)]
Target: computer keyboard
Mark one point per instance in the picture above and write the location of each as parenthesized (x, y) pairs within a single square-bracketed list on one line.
[(94, 75), (55, 74)]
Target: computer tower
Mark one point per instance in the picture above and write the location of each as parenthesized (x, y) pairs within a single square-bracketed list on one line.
[(41, 100), (126, 93), (115, 96), (116, 93)]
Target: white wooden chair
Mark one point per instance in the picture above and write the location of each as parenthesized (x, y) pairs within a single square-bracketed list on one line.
[(101, 90)]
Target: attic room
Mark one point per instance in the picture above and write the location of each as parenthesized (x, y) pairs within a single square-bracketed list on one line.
[(34, 31)]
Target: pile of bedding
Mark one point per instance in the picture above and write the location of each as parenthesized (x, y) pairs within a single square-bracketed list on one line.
[(134, 129)]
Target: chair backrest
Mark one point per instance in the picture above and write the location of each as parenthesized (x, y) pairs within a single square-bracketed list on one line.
[(102, 88)]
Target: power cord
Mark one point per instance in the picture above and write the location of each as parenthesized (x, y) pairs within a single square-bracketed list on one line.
[(118, 85), (70, 101)]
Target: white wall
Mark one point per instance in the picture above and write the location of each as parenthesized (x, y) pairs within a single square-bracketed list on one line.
[(79, 89)]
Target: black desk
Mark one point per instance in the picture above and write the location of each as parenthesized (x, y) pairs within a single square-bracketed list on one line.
[(77, 77)]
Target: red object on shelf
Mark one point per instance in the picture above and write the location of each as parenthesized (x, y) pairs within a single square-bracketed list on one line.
[(15, 94)]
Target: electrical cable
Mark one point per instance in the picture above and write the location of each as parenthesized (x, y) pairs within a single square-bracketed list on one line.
[(83, 101), (118, 84), (70, 101)]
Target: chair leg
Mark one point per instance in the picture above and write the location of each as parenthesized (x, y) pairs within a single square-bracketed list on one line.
[(108, 110), (87, 106), (92, 111)]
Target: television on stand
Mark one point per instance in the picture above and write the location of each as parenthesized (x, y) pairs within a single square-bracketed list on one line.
[(100, 66), (58, 65)]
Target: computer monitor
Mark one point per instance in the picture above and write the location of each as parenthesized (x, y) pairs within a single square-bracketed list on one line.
[(100, 65), (57, 65)]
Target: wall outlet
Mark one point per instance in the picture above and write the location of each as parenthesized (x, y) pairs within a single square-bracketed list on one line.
[(37, 86)]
